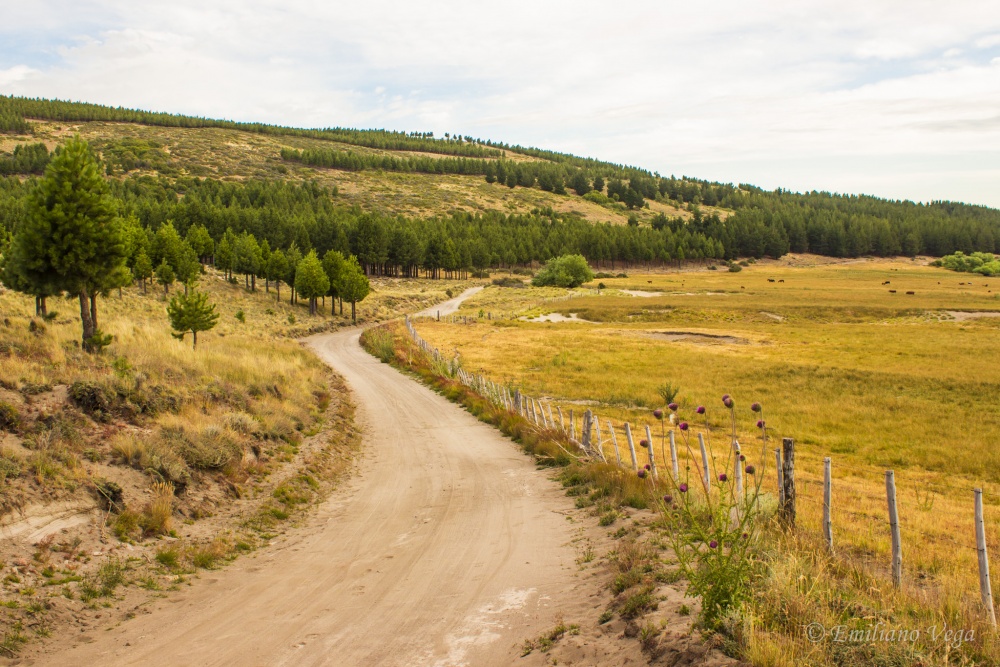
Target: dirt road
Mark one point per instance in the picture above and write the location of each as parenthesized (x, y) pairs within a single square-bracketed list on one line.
[(451, 305), (448, 548)]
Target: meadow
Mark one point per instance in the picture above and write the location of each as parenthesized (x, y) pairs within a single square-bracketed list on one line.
[(873, 379)]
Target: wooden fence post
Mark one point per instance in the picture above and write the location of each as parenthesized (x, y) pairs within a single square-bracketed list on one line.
[(652, 458), (788, 480), (517, 400), (614, 441), (705, 473), (552, 422), (781, 484), (585, 431), (827, 496), (562, 422), (631, 446), (985, 590), (572, 425), (600, 444), (897, 547)]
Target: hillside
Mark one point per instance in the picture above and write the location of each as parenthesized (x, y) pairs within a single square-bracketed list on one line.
[(404, 179)]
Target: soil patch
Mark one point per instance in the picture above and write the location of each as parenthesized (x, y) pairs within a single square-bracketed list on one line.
[(695, 337)]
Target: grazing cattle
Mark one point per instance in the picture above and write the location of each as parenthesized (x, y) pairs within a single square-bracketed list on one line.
[(770, 280), (886, 282), (649, 282), (911, 293), (892, 291), (742, 287), (782, 280)]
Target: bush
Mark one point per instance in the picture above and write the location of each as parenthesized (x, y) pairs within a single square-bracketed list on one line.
[(10, 419), (508, 282), (93, 398), (735, 268), (564, 271)]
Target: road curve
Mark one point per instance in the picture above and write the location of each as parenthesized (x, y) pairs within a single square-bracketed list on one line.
[(451, 305), (448, 548)]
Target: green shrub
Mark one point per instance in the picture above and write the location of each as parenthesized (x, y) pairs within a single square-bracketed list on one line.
[(564, 271), (10, 418)]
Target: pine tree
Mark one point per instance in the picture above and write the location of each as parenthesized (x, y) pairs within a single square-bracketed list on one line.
[(72, 219), (201, 241), (311, 280), (190, 313), (165, 276), (333, 266), (354, 285), (143, 269), (277, 269)]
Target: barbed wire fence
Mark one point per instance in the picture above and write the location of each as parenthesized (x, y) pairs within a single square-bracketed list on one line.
[(590, 441)]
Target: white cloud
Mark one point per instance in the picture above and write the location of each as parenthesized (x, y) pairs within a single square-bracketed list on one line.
[(15, 74), (803, 95)]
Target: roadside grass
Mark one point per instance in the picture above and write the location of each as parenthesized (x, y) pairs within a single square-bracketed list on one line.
[(874, 380)]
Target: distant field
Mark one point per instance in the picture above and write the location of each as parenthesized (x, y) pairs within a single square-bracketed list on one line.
[(873, 379)]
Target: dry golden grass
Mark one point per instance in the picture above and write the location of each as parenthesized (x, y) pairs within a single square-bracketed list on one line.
[(872, 379)]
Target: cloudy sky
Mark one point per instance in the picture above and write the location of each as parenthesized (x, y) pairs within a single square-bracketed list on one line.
[(893, 98)]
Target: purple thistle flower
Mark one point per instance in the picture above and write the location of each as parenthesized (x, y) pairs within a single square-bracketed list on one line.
[(742, 458), (673, 407), (683, 426), (683, 488), (658, 413), (727, 401), (644, 443), (700, 410), (755, 407), (647, 467), (760, 423), (713, 544), (723, 477), (668, 499), (750, 469), (642, 473), (745, 536)]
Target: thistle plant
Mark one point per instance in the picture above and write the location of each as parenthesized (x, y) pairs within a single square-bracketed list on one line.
[(714, 526)]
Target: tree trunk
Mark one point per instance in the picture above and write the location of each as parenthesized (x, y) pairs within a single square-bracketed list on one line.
[(143, 286), (88, 322), (277, 288), (267, 285), (341, 306), (194, 346), (38, 305), (93, 311), (354, 317), (253, 283), (44, 306)]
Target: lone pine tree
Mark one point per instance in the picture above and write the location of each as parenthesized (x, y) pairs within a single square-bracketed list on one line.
[(73, 227), (190, 313)]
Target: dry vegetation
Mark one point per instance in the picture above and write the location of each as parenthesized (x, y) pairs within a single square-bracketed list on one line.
[(149, 461), (873, 379)]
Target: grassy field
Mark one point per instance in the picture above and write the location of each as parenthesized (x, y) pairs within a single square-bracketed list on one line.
[(873, 379)]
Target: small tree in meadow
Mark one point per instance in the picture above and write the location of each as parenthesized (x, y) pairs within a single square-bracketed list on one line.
[(190, 313)]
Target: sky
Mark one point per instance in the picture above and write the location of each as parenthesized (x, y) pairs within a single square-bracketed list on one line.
[(899, 99)]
